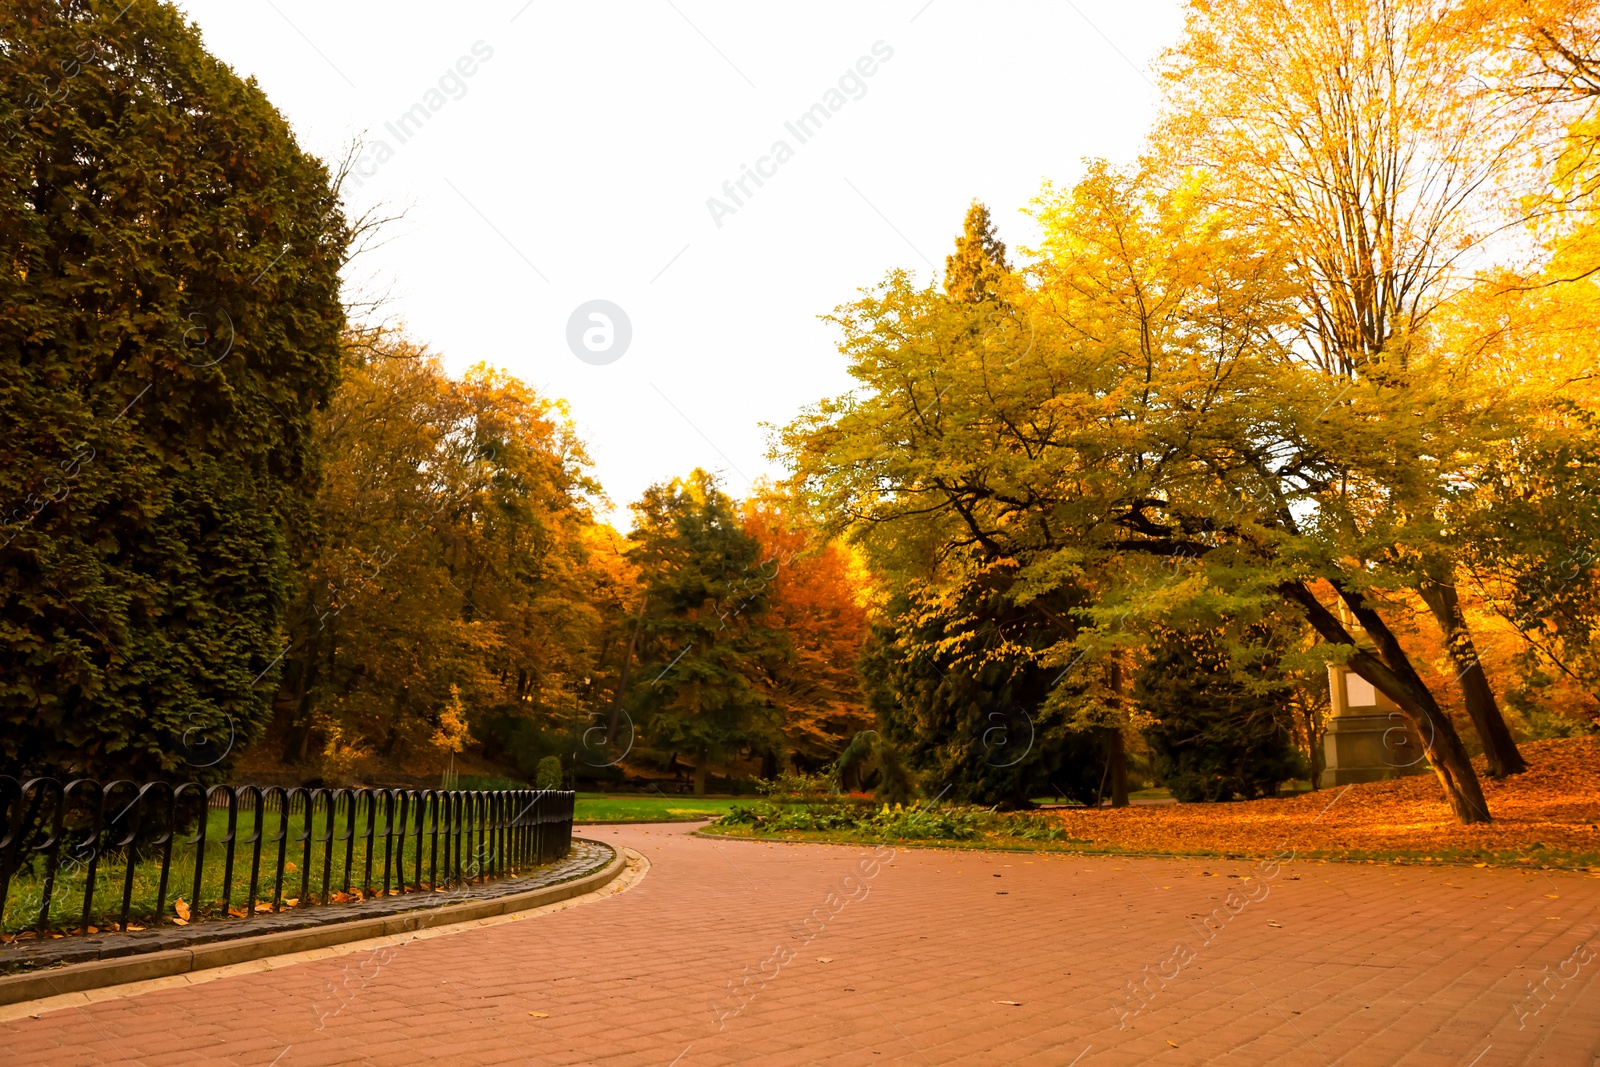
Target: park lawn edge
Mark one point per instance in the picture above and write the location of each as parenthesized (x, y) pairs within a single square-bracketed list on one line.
[(1578, 863)]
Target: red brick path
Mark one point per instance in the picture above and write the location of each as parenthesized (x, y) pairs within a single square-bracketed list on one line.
[(1326, 964)]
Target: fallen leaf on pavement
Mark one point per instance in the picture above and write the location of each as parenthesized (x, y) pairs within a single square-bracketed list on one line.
[(540, 1014), (824, 959), (1010, 1003)]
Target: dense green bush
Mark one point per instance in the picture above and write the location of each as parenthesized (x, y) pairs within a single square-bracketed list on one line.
[(548, 775), (1218, 735), (900, 822)]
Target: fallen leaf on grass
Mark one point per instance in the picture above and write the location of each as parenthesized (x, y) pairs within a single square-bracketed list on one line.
[(291, 902), (341, 898), (181, 906), (180, 922), (263, 905), (237, 913)]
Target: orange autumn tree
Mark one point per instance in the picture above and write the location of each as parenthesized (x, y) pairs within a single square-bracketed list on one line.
[(452, 579), (813, 588)]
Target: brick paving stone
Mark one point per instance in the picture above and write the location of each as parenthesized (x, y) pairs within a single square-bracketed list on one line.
[(717, 952)]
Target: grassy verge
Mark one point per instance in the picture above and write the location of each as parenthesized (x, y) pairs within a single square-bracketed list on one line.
[(347, 877), (603, 807), (1003, 841)]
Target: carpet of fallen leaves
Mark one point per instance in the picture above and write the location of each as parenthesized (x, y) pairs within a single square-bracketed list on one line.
[(1549, 815)]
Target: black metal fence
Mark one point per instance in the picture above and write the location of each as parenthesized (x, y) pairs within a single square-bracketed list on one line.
[(127, 850)]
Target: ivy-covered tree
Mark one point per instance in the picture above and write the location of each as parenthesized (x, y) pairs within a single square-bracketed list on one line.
[(169, 318)]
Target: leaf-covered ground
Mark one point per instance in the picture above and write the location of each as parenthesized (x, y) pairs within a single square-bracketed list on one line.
[(1548, 816)]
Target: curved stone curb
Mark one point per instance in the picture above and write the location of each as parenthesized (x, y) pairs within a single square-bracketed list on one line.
[(80, 977)]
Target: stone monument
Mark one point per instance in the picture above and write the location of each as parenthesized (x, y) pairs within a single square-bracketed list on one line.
[(1367, 739)]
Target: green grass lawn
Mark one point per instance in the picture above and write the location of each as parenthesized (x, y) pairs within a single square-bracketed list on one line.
[(634, 807), (24, 900)]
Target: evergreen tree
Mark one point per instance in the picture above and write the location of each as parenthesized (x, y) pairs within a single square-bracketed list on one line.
[(169, 318), (957, 687), (973, 272), (1216, 735), (707, 655)]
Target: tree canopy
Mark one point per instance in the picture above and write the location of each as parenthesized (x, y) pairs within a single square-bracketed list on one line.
[(169, 323)]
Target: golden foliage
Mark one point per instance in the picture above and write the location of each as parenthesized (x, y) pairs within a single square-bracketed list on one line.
[(1551, 811)]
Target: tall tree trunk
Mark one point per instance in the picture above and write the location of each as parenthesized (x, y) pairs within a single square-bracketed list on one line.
[(1312, 753), (700, 762), (297, 739), (1119, 768), (622, 683), (1394, 677), (1119, 744), (1439, 593)]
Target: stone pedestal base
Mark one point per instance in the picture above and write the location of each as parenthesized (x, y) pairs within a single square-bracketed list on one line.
[(1369, 748)]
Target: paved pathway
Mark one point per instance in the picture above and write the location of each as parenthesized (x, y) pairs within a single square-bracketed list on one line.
[(747, 953)]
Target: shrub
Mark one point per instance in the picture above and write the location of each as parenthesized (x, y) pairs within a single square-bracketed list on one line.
[(548, 775), (786, 786)]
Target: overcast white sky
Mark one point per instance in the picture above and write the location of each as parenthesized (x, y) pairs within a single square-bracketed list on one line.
[(576, 161)]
